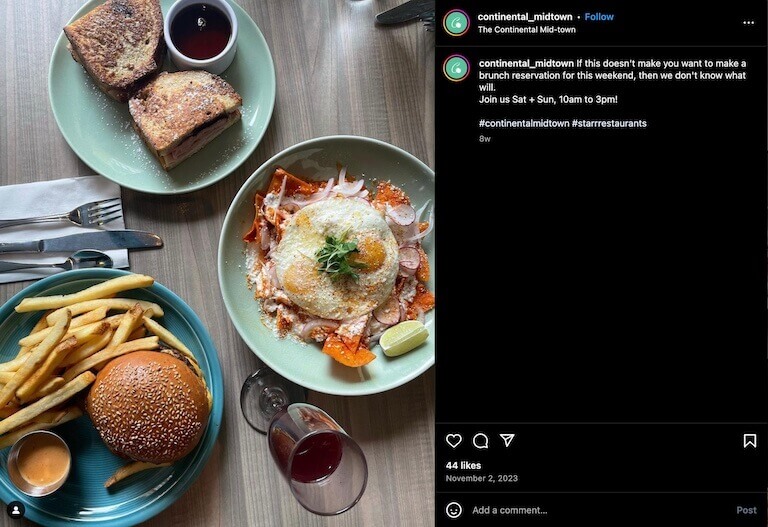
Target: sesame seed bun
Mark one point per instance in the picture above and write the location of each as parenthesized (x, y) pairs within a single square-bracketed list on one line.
[(148, 406)]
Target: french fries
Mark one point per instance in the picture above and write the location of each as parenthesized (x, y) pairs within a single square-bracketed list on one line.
[(112, 304), (42, 422), (83, 320), (82, 333), (35, 357), (41, 374), (148, 343), (56, 398), (130, 469), (49, 386), (75, 337), (88, 349), (42, 323), (15, 364), (138, 333), (127, 324), (116, 285)]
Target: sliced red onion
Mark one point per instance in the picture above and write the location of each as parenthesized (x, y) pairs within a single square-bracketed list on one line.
[(342, 175), (402, 214), (420, 315), (426, 232), (308, 326), (388, 313), (403, 312), (422, 209), (326, 191), (349, 189), (409, 258), (362, 200), (282, 193), (314, 198)]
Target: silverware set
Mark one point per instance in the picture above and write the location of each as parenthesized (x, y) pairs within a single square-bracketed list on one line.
[(95, 214)]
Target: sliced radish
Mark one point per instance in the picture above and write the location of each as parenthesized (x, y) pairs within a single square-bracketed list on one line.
[(388, 313), (409, 258), (402, 214)]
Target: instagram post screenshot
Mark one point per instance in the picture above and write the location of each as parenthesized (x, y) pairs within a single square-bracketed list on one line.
[(218, 263)]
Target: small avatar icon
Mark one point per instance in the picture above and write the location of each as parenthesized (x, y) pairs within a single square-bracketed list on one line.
[(15, 510), (453, 510)]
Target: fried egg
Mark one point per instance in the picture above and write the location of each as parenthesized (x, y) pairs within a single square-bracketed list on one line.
[(313, 290)]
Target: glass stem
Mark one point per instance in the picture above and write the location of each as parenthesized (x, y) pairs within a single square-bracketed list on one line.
[(274, 400)]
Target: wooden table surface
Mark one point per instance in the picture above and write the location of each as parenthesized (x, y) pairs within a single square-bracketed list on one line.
[(337, 73)]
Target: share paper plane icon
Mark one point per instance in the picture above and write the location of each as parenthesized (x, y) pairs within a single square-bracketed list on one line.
[(507, 439)]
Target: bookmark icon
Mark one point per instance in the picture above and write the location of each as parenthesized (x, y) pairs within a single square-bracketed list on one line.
[(507, 438)]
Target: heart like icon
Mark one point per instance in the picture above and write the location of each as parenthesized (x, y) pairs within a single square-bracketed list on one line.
[(453, 440)]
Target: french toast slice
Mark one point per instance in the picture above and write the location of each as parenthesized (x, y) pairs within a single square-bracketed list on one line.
[(177, 114), (120, 44)]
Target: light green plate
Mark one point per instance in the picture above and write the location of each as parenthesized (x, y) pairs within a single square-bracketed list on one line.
[(305, 364), (99, 128)]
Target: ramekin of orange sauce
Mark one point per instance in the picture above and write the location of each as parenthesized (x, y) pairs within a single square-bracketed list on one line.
[(39, 463)]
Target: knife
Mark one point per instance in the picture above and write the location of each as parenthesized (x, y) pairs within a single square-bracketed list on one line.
[(405, 12), (103, 240)]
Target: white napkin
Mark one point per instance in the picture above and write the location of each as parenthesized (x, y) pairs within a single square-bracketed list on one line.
[(52, 197)]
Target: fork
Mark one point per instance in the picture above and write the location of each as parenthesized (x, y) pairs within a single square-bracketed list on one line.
[(429, 20), (93, 214)]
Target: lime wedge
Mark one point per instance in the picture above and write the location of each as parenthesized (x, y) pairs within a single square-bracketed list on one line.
[(403, 337)]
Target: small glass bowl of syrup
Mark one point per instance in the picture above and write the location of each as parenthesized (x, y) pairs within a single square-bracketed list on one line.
[(201, 34)]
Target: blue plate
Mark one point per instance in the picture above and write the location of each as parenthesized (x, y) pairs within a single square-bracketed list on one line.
[(83, 497)]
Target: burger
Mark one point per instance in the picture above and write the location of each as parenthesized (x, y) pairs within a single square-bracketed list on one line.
[(149, 406)]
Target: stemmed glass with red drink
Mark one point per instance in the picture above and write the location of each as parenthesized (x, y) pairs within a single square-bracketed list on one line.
[(325, 468)]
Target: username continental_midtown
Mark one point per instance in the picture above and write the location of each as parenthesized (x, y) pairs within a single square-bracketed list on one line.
[(562, 123)]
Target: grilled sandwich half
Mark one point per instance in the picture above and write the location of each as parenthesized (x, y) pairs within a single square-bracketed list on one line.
[(177, 114), (120, 44)]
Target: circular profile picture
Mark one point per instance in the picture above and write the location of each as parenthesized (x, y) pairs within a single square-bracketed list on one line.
[(456, 68), (456, 22)]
